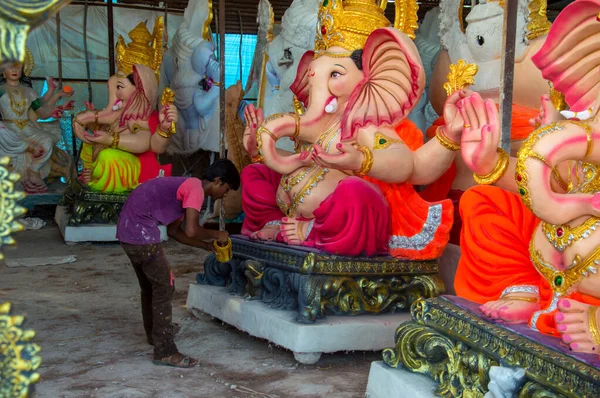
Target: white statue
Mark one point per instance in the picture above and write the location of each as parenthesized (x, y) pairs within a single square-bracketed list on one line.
[(428, 44), (195, 81), (298, 31), (481, 43), (504, 382)]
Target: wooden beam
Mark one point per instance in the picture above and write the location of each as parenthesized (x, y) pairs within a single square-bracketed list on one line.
[(222, 107)]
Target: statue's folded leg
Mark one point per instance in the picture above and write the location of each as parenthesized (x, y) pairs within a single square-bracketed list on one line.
[(259, 198), (496, 232), (354, 220)]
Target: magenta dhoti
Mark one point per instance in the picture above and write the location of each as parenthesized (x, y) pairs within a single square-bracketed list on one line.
[(353, 220)]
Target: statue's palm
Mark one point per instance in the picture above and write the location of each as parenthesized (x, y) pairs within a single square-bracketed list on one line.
[(481, 134), (254, 118)]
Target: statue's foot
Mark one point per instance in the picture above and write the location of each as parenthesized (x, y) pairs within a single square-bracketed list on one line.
[(512, 309), (33, 188), (294, 231), (267, 234), (578, 323)]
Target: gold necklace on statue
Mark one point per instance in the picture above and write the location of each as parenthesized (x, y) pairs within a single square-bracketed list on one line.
[(18, 107)]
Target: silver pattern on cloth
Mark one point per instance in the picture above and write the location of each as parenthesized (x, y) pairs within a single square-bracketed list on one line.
[(310, 227), (272, 223), (553, 305), (520, 289), (423, 238)]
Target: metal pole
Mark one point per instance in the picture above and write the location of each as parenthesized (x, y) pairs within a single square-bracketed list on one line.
[(85, 49), (222, 99), (111, 38), (59, 49), (508, 71)]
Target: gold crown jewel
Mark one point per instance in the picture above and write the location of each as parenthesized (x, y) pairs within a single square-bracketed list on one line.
[(145, 48), (348, 23)]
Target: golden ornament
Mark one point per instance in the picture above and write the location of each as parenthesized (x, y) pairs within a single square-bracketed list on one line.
[(348, 23), (461, 76), (144, 48)]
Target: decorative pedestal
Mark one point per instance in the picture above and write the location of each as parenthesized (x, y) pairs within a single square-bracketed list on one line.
[(307, 342), (448, 341), (88, 207), (87, 216), (316, 284)]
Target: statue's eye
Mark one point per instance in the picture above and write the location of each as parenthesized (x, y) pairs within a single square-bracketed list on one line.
[(480, 40), (335, 74)]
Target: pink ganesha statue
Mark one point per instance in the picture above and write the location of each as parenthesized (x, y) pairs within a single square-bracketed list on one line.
[(348, 189), (548, 274)]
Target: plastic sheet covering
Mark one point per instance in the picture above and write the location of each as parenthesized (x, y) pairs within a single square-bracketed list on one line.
[(42, 43)]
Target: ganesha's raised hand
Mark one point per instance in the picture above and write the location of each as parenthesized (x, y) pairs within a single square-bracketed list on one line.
[(548, 113), (349, 158), (254, 118), (452, 117), (168, 114), (481, 134)]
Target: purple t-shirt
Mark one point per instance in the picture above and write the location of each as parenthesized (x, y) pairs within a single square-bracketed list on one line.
[(159, 201)]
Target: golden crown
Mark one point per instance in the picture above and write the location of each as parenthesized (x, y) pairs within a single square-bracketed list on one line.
[(145, 48), (348, 23)]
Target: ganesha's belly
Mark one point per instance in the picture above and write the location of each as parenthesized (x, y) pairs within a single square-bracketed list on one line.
[(304, 197)]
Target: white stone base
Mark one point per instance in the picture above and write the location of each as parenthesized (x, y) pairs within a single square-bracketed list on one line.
[(90, 232), (386, 382), (307, 342)]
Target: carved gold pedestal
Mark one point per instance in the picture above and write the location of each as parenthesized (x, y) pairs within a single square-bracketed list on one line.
[(317, 284), (448, 341), (88, 207)]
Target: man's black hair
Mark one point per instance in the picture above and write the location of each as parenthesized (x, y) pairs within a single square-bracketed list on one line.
[(226, 171)]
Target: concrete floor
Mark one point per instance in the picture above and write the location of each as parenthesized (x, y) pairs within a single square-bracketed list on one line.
[(88, 323)]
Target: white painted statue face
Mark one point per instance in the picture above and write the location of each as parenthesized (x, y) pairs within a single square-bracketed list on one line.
[(13, 73), (484, 38)]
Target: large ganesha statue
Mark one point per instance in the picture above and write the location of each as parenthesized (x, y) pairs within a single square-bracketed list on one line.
[(348, 189), (476, 52), (195, 81), (533, 246), (121, 143)]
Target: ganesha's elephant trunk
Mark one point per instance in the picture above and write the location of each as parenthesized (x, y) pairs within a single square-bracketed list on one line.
[(288, 125), (537, 167)]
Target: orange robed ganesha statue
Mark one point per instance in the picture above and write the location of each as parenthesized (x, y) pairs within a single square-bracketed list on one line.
[(531, 251), (348, 188)]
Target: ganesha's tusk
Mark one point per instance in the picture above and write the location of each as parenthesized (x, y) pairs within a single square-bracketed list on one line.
[(585, 115), (332, 106)]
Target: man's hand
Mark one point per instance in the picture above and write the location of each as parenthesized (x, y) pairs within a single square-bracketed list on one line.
[(221, 236)]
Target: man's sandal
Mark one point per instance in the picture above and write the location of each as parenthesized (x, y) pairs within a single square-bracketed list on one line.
[(177, 360), (176, 329)]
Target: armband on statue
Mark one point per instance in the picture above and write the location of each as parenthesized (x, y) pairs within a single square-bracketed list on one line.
[(499, 170)]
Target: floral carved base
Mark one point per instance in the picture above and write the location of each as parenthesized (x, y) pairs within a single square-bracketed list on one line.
[(19, 358), (88, 207), (316, 284), (448, 341)]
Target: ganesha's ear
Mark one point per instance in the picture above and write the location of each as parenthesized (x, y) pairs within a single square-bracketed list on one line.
[(393, 83), (300, 85)]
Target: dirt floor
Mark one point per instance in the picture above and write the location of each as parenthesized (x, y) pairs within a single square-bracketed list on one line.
[(88, 322)]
